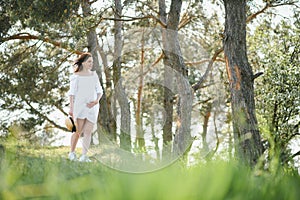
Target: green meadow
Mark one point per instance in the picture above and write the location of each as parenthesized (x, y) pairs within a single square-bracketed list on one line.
[(29, 172)]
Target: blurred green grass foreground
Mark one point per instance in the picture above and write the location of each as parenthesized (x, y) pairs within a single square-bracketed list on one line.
[(45, 173)]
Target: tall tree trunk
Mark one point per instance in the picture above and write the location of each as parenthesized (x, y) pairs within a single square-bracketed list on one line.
[(175, 61), (153, 115), (139, 121), (120, 94), (168, 85), (108, 83), (248, 145), (92, 40), (205, 127)]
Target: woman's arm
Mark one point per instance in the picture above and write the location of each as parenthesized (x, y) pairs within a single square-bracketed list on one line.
[(93, 103), (71, 93), (99, 95), (71, 97)]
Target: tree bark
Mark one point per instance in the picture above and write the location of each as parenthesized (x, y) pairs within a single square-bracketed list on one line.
[(248, 145), (175, 61), (92, 40), (140, 141), (205, 127), (108, 92), (120, 94), (168, 83)]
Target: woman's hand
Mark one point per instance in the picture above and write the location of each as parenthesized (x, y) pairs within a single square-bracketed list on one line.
[(91, 104)]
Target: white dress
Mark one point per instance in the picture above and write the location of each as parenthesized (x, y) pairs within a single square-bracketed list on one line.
[(85, 89)]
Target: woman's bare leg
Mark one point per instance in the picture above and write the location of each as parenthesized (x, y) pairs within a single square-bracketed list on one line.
[(75, 136), (86, 140)]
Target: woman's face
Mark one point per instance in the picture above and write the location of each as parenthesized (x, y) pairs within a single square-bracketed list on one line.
[(88, 64)]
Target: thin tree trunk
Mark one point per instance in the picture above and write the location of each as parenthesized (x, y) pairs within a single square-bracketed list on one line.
[(274, 125), (168, 86), (205, 127), (125, 142), (155, 139), (139, 123), (175, 61), (248, 145), (103, 120)]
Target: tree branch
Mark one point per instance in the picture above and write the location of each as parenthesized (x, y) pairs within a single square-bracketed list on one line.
[(268, 5), (91, 2), (28, 36), (251, 17), (203, 61), (296, 154), (137, 18), (208, 69), (45, 117), (288, 3), (291, 157), (257, 75), (161, 56), (186, 19), (150, 7), (292, 136)]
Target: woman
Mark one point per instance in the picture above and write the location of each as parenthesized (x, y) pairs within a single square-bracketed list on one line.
[(85, 93)]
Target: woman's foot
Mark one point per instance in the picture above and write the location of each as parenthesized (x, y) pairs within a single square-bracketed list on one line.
[(72, 156), (84, 158)]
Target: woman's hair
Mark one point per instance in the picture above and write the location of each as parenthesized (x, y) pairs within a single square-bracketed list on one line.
[(82, 58)]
